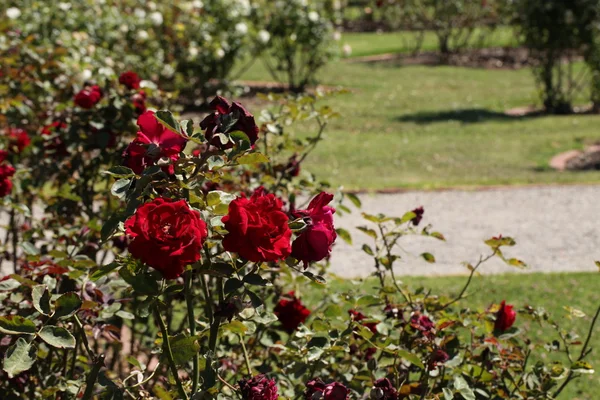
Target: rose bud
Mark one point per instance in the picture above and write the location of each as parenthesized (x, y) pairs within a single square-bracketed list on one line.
[(220, 120), (130, 79), (258, 387), (505, 317)]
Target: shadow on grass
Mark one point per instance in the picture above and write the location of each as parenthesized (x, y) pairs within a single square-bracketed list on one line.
[(465, 116)]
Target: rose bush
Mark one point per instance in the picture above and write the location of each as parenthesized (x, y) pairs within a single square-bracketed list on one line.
[(192, 279)]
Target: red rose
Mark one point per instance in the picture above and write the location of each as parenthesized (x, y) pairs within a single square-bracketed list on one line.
[(53, 127), (419, 211), (139, 102), (257, 228), (6, 185), (153, 141), (55, 143), (130, 79), (329, 391), (422, 323), (293, 166), (88, 97), (358, 317), (291, 312), (167, 235), (438, 356), (505, 317), (385, 389), (18, 139), (221, 121), (258, 387), (314, 243)]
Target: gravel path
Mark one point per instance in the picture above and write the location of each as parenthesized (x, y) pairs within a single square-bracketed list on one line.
[(555, 227)]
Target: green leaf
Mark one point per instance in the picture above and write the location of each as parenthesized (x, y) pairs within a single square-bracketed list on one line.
[(254, 299), (184, 348), (461, 385), (368, 231), (345, 235), (582, 367), (232, 285), (166, 118), (428, 257), (143, 283), (438, 236), (410, 357), (16, 325), (110, 226), (409, 216), (57, 337), (119, 188), (252, 158), (516, 263), (448, 395), (103, 271), (315, 278), (367, 249), (500, 241), (120, 171), (188, 126), (41, 299), (29, 249), (256, 279), (19, 357), (9, 285), (67, 305), (354, 199), (235, 327)]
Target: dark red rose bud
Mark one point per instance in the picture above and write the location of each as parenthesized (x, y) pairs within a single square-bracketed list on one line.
[(419, 211), (314, 243), (358, 317), (130, 79), (393, 312), (88, 97), (153, 142), (386, 388), (257, 228), (258, 387), (293, 166), (167, 235), (505, 317), (18, 140), (291, 312), (228, 118), (139, 102)]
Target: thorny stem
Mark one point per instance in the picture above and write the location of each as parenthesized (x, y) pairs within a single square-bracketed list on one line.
[(192, 322), (473, 270), (245, 355), (92, 377), (168, 351)]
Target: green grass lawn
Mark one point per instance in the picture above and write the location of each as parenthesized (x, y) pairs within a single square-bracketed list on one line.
[(373, 43), (553, 292), (432, 127)]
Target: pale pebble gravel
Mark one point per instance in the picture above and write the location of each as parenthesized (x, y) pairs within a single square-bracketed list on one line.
[(556, 229)]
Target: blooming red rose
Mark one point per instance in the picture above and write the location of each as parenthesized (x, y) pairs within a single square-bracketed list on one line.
[(167, 235), (358, 317), (329, 391), (18, 140), (257, 228), (258, 387), (153, 141), (419, 211), (55, 126), (88, 97), (505, 317), (222, 121), (385, 389), (314, 243), (130, 79), (422, 323), (291, 312), (436, 358), (6, 172)]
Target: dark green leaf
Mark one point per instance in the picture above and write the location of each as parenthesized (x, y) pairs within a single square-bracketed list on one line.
[(41, 299), (368, 231), (144, 283), (103, 271), (184, 348), (232, 285), (167, 119), (428, 257), (354, 199), (67, 305), (16, 325), (255, 279)]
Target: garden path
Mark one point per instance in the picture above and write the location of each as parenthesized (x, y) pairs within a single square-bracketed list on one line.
[(556, 229)]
